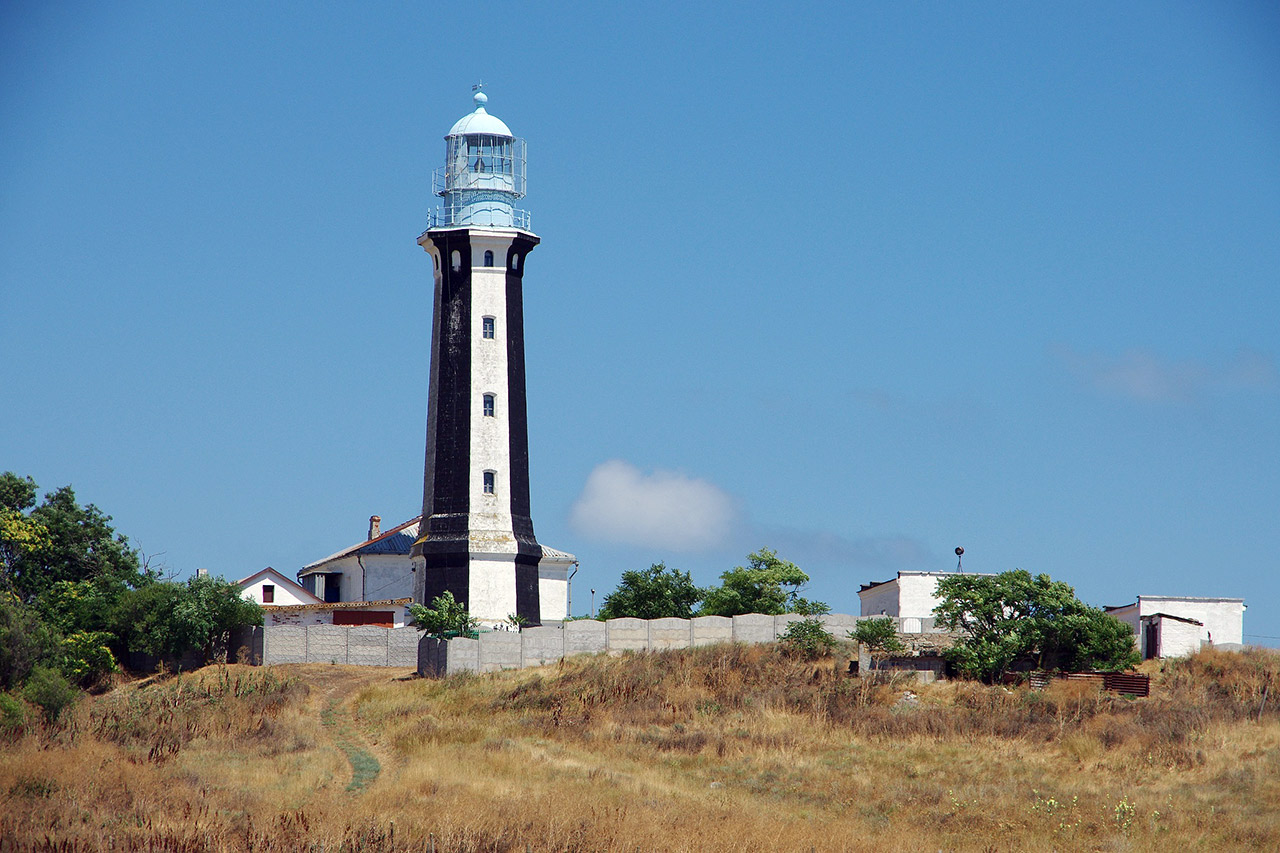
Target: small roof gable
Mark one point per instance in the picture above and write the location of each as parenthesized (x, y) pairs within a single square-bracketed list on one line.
[(397, 540), (280, 580)]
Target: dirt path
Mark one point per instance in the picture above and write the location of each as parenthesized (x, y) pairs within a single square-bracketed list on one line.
[(333, 689)]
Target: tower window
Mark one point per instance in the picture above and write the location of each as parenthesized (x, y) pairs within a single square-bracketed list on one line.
[(490, 482), (268, 593), (488, 405), (456, 259), (515, 261), (487, 327), (488, 257)]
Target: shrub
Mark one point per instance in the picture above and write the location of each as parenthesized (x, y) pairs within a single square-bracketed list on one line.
[(49, 691), (13, 717), (445, 616), (808, 638)]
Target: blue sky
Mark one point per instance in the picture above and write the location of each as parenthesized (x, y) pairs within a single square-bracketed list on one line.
[(861, 282)]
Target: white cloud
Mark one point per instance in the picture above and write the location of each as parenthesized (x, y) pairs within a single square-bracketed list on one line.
[(1140, 374), (665, 509)]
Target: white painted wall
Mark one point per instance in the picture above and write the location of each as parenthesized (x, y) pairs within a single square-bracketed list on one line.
[(1178, 639), (910, 595), (553, 589), (283, 594), (1223, 618)]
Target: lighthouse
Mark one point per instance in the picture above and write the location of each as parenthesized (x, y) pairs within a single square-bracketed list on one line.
[(476, 537)]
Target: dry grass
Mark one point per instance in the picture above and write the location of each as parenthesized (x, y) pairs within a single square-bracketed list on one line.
[(721, 748)]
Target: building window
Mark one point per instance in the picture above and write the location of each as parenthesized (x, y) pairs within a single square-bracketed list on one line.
[(490, 482), (488, 258), (515, 261), (488, 327), (488, 405), (456, 260), (268, 593)]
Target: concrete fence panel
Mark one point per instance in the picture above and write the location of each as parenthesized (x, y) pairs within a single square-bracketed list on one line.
[(402, 646), (367, 645), (669, 634), (783, 621), (711, 629), (284, 644), (754, 628), (628, 634), (462, 655), (585, 636), (839, 624), (327, 643), (541, 646), (499, 650)]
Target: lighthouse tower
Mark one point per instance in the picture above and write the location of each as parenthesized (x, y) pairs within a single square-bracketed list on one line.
[(476, 538)]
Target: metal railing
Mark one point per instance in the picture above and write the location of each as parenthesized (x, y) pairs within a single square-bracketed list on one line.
[(461, 215)]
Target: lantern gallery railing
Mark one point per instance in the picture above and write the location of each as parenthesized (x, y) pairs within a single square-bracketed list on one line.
[(459, 215)]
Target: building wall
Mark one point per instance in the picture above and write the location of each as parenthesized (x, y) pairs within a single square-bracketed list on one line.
[(882, 599), (1223, 618), (553, 590), (1178, 639), (283, 594)]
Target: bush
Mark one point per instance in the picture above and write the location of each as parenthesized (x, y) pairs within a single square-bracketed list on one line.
[(49, 691), (808, 638), (446, 616), (13, 717), (86, 658)]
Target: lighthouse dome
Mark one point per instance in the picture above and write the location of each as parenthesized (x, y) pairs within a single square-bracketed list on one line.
[(480, 121)]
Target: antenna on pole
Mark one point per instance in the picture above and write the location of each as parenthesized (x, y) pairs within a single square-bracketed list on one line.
[(959, 557)]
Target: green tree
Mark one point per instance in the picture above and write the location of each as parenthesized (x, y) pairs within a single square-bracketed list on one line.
[(880, 636), (446, 616), (653, 593), (1011, 615), (25, 641), (767, 584), (59, 540), (168, 619)]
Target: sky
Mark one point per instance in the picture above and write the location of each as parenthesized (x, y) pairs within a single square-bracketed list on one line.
[(859, 282)]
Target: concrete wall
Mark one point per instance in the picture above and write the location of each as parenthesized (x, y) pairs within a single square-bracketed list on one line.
[(541, 646), (363, 645)]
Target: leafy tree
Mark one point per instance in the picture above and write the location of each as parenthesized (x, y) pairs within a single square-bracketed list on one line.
[(653, 593), (808, 638), (880, 636), (25, 641), (767, 584), (168, 619), (446, 616), (59, 540), (1011, 615)]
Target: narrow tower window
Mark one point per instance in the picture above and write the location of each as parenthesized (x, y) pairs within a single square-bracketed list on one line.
[(490, 478), (515, 261), (456, 258), (488, 257), (487, 327), (488, 405)]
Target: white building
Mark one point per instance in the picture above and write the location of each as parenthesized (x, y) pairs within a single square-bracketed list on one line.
[(380, 569), (1174, 626), (269, 587), (911, 596)]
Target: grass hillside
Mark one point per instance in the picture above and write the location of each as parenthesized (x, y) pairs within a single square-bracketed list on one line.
[(720, 748)]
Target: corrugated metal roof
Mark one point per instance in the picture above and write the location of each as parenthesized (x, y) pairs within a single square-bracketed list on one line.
[(397, 540), (548, 551)]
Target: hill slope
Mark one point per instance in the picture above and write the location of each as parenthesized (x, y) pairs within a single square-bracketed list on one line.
[(720, 748)]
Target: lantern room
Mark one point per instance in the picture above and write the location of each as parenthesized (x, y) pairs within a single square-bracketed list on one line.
[(484, 173)]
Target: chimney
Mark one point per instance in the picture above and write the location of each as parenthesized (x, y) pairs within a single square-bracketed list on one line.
[(375, 526)]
